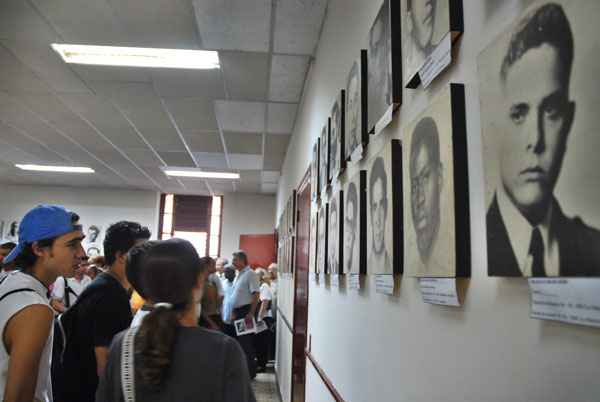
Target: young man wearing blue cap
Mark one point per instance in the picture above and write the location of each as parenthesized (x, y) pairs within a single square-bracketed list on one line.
[(49, 246)]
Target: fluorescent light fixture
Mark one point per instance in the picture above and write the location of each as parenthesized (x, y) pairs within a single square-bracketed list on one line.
[(204, 175), (137, 56), (64, 169)]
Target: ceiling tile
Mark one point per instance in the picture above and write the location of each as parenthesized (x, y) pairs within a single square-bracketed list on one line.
[(193, 114), (128, 170), (122, 137), (97, 109), (196, 186), (48, 106), (243, 143), (163, 139), (268, 187), (111, 73), (234, 25), (204, 84), (221, 187), (248, 188), (288, 74), (273, 162), (211, 160), (180, 159), (298, 25), (144, 113), (143, 157), (19, 21), (83, 134), (47, 65), (109, 157), (14, 76), (203, 141), (269, 176), (247, 176), (163, 24), (14, 154), (246, 162), (282, 117), (11, 111), (276, 143), (241, 116), (122, 88), (245, 75)]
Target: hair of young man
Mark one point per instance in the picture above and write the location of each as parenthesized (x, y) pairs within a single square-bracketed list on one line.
[(121, 236), (241, 255), (546, 24), (8, 245), (206, 261), (426, 135), (377, 173), (133, 267), (158, 331), (27, 258)]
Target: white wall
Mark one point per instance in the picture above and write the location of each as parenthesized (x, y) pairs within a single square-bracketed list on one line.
[(245, 214), (94, 206), (375, 347)]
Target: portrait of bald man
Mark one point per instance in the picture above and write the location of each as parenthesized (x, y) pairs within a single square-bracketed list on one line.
[(528, 99)]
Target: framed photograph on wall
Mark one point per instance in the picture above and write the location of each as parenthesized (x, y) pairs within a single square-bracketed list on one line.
[(355, 224), (12, 231), (322, 239), (355, 127), (324, 158), (292, 203), (93, 234), (335, 233), (384, 70), (539, 113), (312, 252), (384, 216), (1, 230), (426, 23), (314, 171), (337, 149), (437, 240)]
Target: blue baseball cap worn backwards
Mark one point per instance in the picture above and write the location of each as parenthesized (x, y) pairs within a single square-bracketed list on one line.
[(42, 222)]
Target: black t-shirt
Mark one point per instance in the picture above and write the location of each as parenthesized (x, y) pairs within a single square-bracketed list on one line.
[(97, 318)]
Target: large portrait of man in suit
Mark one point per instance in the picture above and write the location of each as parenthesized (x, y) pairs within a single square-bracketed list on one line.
[(530, 82)]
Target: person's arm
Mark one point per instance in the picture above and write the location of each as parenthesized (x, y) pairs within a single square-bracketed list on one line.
[(58, 306), (250, 314), (209, 320), (263, 310), (24, 337), (220, 292), (100, 352)]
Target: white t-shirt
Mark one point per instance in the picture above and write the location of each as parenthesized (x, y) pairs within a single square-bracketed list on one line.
[(244, 285), (265, 294), (10, 305), (58, 292)]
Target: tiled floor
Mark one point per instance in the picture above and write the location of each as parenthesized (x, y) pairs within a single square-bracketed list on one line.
[(265, 386)]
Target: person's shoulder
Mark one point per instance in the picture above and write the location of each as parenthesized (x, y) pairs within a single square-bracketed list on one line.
[(207, 337), (585, 235)]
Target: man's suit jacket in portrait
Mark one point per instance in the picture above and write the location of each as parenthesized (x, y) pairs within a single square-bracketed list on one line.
[(578, 245)]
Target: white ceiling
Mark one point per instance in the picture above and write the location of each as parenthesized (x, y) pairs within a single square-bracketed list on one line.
[(128, 123)]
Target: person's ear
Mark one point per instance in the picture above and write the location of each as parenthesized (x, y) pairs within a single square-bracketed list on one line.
[(37, 250), (120, 257)]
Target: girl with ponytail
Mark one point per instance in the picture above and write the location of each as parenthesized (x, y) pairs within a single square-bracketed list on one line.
[(174, 359)]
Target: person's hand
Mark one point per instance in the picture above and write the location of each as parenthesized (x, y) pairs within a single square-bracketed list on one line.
[(260, 320), (249, 320)]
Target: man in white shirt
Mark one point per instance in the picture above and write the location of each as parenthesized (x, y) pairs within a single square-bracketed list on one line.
[(67, 290), (221, 262), (245, 295)]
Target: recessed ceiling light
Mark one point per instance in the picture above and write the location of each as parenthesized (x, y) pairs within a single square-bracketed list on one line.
[(65, 169), (137, 56), (204, 175)]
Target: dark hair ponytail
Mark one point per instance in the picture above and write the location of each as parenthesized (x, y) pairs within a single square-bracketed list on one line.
[(178, 260)]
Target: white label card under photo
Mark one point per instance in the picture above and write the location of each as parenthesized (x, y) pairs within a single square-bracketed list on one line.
[(437, 61), (356, 154), (571, 300), (312, 276), (322, 277), (335, 280), (440, 291), (384, 284), (354, 282), (384, 120)]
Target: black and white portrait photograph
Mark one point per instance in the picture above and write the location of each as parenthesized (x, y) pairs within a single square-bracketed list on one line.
[(337, 160), (355, 239), (539, 110), (324, 158), (381, 203), (314, 171), (429, 195), (355, 128), (425, 24), (334, 244), (384, 62), (322, 239), (312, 252), (93, 250), (12, 231), (1, 229), (93, 234)]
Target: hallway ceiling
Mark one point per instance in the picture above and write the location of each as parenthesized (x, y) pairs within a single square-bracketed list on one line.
[(129, 123)]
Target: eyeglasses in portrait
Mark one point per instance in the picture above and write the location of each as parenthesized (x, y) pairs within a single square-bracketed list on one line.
[(431, 173), (539, 110)]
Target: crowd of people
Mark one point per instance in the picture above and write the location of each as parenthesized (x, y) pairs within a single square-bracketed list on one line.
[(149, 320)]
